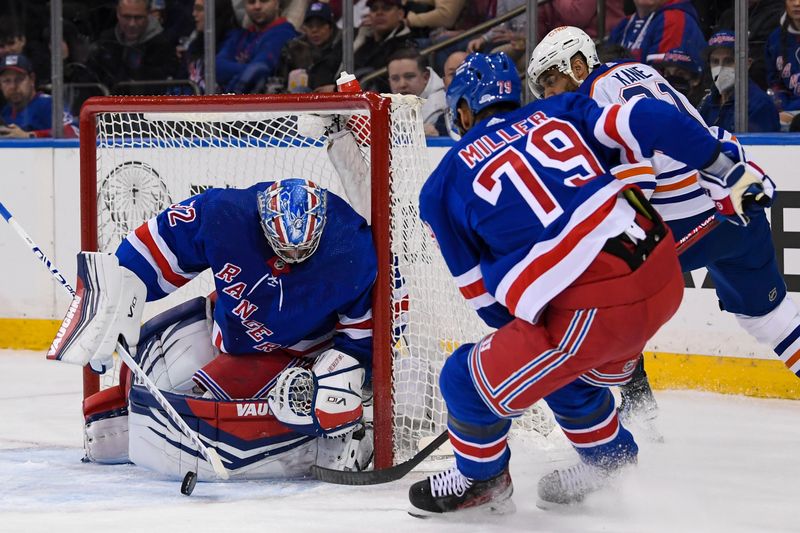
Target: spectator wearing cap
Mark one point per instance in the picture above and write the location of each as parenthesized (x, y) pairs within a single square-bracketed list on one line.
[(717, 109), (250, 55), (316, 55), (26, 113), (135, 49), (409, 73), (763, 16), (783, 62), (683, 72), (658, 26), (384, 33)]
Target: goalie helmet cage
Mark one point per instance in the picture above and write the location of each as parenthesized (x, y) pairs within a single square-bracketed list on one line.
[(141, 154)]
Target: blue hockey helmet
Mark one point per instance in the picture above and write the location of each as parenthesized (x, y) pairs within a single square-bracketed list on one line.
[(483, 80), (292, 214)]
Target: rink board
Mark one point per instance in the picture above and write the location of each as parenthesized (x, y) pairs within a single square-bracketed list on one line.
[(700, 348)]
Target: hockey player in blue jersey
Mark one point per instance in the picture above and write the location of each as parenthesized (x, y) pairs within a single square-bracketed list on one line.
[(573, 266), (293, 267), (740, 259)]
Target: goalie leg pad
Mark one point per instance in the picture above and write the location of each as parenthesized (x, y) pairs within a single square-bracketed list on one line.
[(325, 401), (351, 452), (251, 442), (175, 344), (106, 426), (108, 303)]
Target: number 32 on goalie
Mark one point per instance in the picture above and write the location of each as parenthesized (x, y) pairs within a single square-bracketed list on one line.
[(181, 213), (555, 144)]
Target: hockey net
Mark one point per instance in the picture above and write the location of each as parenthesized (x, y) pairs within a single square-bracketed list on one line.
[(141, 154)]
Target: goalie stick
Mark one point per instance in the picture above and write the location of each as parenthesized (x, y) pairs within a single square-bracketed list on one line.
[(209, 454), (393, 473)]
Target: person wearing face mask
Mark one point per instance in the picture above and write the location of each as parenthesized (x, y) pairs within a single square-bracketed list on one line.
[(783, 62), (683, 72), (718, 108)]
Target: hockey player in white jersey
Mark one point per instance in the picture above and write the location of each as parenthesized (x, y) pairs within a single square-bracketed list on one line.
[(740, 257), (270, 371)]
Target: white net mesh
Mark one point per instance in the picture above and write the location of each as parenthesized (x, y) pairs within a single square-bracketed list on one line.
[(146, 161)]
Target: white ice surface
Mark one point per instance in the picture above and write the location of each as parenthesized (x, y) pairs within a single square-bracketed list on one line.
[(728, 465)]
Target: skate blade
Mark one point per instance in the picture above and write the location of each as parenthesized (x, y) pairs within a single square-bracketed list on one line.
[(497, 508)]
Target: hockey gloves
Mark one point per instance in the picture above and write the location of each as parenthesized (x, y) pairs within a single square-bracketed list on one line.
[(322, 402), (108, 305), (738, 188)]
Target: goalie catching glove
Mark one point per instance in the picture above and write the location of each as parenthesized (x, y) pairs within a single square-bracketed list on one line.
[(324, 401), (108, 303), (738, 187)]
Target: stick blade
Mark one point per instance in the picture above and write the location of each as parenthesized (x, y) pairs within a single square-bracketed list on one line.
[(216, 464)]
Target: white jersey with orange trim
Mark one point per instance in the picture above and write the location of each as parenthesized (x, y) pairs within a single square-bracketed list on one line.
[(674, 189)]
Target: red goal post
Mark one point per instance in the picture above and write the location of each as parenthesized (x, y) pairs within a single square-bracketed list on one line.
[(378, 109)]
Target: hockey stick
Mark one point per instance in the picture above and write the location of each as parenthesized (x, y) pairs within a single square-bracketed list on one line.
[(691, 238), (386, 475), (35, 249), (209, 454), (376, 477)]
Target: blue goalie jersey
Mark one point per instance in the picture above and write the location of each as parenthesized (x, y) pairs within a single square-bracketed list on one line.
[(524, 202), (262, 303)]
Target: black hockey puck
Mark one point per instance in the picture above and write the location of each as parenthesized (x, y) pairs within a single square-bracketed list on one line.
[(189, 481)]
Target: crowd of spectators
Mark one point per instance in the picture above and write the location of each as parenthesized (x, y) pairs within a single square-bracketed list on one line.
[(267, 46)]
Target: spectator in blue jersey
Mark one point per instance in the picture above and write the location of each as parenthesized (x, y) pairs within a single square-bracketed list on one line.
[(135, 49), (249, 56), (658, 26), (684, 72), (783, 63), (718, 108), (27, 113)]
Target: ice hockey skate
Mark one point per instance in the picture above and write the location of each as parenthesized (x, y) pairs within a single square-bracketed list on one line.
[(450, 491), (571, 485), (638, 407)]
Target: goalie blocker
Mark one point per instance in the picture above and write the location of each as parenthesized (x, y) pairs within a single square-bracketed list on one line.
[(125, 423), (108, 303)]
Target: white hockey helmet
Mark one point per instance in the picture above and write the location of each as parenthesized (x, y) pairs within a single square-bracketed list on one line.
[(556, 50)]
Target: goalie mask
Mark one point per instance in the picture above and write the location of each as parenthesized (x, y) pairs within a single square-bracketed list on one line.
[(556, 50), (482, 80), (293, 216)]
